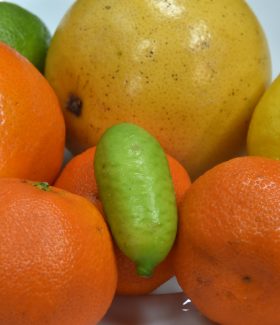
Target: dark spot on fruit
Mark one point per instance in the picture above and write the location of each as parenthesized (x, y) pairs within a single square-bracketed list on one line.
[(74, 105), (174, 76), (99, 229), (108, 7), (247, 279)]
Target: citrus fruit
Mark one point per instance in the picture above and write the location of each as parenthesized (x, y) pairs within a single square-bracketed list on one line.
[(227, 254), (167, 66), (57, 264), (32, 130), (264, 131), (78, 177), (180, 178), (24, 32), (137, 194)]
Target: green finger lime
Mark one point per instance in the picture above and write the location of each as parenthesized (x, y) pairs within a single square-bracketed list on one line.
[(137, 194), (24, 32)]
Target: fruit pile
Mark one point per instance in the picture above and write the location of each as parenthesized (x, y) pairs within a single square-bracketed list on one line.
[(147, 98)]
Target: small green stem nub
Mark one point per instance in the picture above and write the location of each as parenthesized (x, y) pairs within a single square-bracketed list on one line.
[(44, 186), (144, 271)]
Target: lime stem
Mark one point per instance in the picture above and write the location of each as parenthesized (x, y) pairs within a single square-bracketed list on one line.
[(144, 271)]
